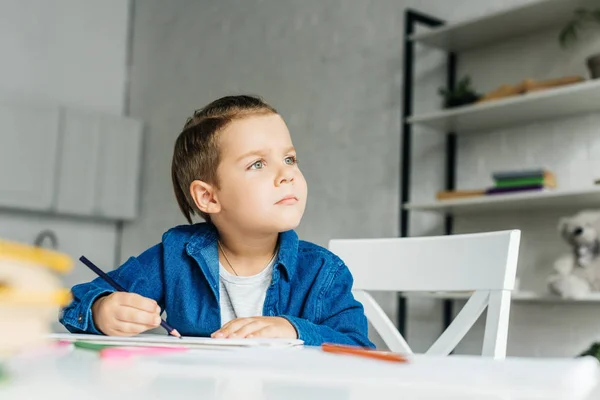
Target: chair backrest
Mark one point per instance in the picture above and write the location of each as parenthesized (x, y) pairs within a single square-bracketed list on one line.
[(483, 263)]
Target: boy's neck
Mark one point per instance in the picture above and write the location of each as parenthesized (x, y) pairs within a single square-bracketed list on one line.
[(247, 254)]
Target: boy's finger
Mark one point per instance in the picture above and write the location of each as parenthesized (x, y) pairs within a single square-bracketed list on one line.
[(228, 324), (141, 303), (235, 322), (136, 316), (268, 331), (231, 326), (248, 329), (130, 329)]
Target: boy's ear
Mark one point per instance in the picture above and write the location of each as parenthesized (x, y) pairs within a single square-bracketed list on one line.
[(204, 197)]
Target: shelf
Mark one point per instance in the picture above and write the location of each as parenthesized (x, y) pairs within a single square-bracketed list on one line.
[(503, 25), (549, 104), (517, 296), (516, 202)]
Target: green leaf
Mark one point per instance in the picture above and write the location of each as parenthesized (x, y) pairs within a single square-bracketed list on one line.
[(464, 83), (570, 32), (461, 94), (580, 12)]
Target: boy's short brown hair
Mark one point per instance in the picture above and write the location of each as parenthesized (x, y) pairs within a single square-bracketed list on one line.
[(196, 155)]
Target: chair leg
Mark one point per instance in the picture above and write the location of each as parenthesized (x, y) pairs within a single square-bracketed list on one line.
[(496, 326), (382, 324), (461, 324)]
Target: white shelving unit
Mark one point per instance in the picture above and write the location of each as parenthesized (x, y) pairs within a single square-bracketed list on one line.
[(504, 25), (517, 296), (557, 103), (561, 102), (554, 198)]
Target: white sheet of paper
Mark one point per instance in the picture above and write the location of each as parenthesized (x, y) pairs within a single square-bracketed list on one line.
[(185, 341)]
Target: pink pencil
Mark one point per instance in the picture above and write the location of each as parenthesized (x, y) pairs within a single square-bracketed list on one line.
[(125, 352)]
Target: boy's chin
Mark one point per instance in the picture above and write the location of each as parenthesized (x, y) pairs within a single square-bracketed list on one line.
[(276, 222), (283, 226), (288, 223), (288, 227)]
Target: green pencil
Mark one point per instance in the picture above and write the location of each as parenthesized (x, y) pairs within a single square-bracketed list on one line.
[(3, 374)]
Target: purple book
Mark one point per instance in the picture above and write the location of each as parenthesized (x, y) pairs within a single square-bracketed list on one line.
[(505, 190)]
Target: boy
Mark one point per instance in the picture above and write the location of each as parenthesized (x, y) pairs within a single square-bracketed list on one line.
[(243, 273)]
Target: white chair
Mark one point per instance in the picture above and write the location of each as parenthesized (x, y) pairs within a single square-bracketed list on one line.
[(484, 263)]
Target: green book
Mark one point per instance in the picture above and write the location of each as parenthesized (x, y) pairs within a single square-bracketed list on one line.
[(505, 183), (82, 344)]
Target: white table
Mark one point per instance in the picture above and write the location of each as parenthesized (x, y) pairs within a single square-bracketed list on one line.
[(301, 373)]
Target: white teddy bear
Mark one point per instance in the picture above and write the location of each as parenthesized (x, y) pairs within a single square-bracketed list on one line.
[(577, 274)]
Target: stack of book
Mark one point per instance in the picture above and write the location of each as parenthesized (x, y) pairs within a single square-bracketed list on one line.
[(522, 181), (507, 182), (31, 294)]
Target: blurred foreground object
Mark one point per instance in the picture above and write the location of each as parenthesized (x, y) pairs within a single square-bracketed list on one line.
[(30, 294)]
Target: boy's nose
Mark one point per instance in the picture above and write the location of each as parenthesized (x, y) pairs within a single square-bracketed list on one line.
[(285, 179), (285, 176)]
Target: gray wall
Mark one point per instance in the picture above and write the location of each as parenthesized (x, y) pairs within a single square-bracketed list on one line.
[(334, 70), (66, 52)]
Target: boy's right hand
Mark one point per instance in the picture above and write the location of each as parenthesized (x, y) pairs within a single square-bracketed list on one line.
[(125, 314)]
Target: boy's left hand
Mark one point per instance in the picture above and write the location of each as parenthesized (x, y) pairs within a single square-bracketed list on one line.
[(257, 327)]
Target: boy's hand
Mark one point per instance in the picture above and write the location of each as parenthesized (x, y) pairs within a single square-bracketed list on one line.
[(125, 314), (257, 327)]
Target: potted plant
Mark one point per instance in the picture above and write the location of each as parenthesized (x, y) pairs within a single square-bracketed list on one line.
[(593, 350), (462, 95), (570, 33)]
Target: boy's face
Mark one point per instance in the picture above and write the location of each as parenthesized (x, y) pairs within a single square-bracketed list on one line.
[(261, 187)]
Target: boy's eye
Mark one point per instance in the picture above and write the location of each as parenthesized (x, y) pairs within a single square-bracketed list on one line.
[(291, 160), (257, 165)]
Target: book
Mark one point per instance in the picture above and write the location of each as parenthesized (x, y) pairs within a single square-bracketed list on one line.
[(530, 188), (520, 182), (526, 173)]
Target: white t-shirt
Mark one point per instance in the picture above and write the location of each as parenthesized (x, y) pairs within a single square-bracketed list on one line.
[(243, 296)]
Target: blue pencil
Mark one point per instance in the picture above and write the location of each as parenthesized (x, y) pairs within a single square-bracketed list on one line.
[(120, 288)]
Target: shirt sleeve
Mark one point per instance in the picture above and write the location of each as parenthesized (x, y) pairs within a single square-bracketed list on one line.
[(340, 317), (142, 275)]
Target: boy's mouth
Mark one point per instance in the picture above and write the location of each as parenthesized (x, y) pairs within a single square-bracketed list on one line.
[(287, 200)]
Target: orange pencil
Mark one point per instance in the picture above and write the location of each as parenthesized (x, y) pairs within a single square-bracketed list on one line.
[(363, 352)]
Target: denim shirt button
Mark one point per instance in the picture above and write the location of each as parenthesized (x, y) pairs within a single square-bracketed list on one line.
[(80, 318)]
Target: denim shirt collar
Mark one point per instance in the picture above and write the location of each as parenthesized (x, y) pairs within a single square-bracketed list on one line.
[(202, 246)]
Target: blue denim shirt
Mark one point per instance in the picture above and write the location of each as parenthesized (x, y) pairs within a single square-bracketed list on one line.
[(311, 288)]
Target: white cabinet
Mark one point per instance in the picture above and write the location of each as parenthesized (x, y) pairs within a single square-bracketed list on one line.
[(78, 171), (99, 166), (117, 188), (69, 161), (29, 138)]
